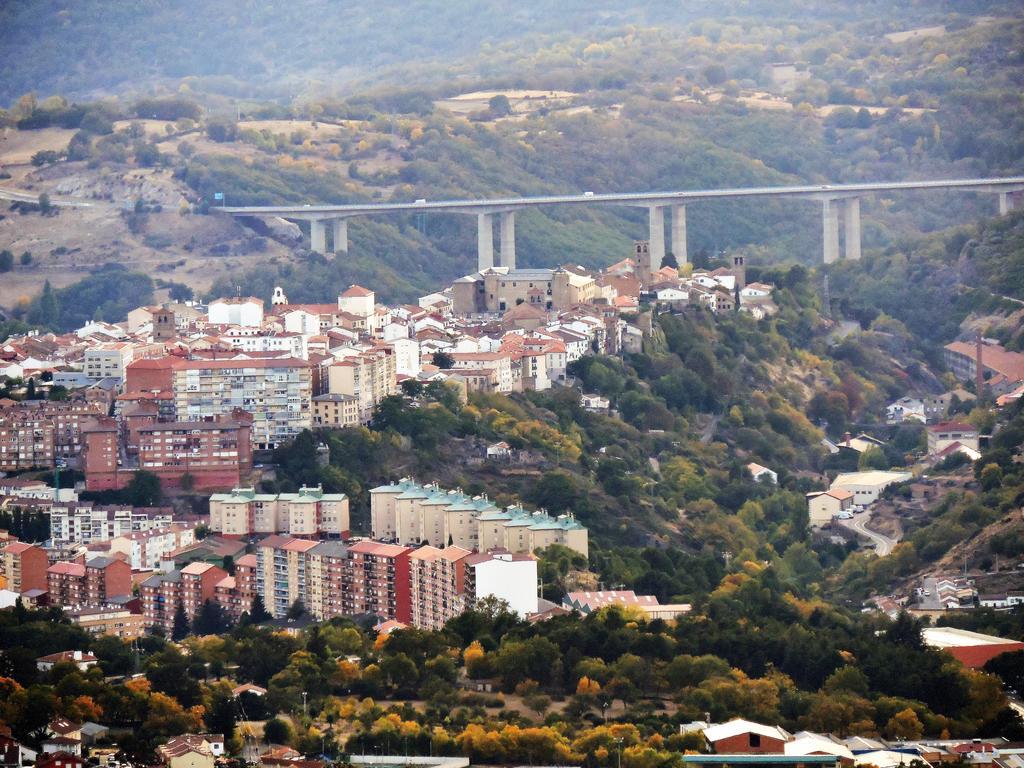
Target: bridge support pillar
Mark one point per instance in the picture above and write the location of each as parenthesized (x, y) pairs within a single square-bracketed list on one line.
[(1007, 202), (508, 239), (656, 238), (484, 241), (830, 230), (339, 229), (851, 228), (317, 236), (679, 234)]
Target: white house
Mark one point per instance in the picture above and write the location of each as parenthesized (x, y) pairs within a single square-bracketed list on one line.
[(246, 311), (905, 409), (762, 474)]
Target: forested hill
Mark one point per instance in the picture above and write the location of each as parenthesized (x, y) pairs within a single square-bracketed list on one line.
[(73, 48)]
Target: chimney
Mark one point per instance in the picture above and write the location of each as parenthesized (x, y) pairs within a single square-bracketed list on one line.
[(846, 438), (979, 369)]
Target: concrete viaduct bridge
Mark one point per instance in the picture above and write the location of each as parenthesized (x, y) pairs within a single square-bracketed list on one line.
[(839, 202)]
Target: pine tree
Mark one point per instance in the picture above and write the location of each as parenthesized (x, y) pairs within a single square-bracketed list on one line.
[(210, 620), (180, 628), (258, 612), (296, 610)]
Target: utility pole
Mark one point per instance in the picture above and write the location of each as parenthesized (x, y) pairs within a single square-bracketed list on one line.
[(303, 703)]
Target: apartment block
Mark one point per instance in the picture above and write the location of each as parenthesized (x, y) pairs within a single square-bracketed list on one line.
[(281, 572), (34, 433), (336, 411), (310, 512), (92, 584), (82, 522), (146, 550), (436, 579), (380, 580), (369, 376), (101, 459), (407, 512), (23, 566), (189, 587), (108, 361), (119, 622), (507, 576), (329, 580), (276, 391), (214, 454)]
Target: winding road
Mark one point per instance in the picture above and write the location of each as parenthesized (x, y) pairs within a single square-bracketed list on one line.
[(859, 524)]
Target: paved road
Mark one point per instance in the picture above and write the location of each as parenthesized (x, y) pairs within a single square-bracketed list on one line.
[(883, 544), (709, 431), (822, 191), (17, 196)]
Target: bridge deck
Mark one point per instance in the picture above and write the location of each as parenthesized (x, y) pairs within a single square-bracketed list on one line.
[(641, 199)]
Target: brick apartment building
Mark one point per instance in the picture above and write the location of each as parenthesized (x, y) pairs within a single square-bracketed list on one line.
[(34, 433), (436, 585), (23, 566), (213, 453), (92, 584), (190, 587)]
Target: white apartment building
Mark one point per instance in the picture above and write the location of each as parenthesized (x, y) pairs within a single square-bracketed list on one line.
[(108, 361), (246, 311), (82, 523), (277, 392)]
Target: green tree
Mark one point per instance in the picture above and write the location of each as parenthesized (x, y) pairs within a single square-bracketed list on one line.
[(180, 627), (26, 258), (278, 731), (145, 490), (296, 610), (499, 105), (45, 206), (443, 360), (6, 261)]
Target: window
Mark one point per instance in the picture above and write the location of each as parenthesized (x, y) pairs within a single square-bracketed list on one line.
[(755, 740)]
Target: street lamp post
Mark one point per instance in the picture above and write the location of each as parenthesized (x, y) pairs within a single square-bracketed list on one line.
[(303, 703), (618, 744)]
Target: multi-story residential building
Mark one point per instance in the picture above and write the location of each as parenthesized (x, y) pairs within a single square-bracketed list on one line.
[(214, 454), (245, 579), (498, 362), (281, 572), (146, 550), (410, 513), (108, 361), (190, 587), (92, 584), (367, 375), (82, 522), (436, 579), (276, 392), (335, 411), (329, 580), (119, 622), (310, 512), (23, 566), (507, 576), (34, 433), (101, 457), (380, 580)]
